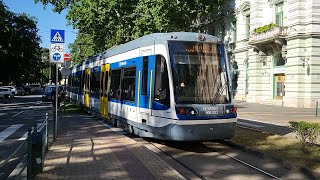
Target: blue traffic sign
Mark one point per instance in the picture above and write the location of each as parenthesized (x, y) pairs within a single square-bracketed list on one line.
[(56, 56), (57, 36)]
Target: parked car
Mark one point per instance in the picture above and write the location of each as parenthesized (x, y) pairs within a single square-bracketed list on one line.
[(21, 91), (27, 90), (5, 92), (35, 88), (12, 88), (46, 96)]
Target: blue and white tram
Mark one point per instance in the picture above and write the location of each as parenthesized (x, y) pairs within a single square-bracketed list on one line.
[(171, 86)]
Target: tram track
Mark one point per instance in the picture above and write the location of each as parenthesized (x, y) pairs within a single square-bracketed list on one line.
[(202, 177), (216, 160)]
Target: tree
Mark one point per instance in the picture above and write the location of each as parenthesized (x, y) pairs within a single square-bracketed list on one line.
[(111, 22), (20, 60)]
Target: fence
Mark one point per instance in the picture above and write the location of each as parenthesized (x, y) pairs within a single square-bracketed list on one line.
[(31, 152)]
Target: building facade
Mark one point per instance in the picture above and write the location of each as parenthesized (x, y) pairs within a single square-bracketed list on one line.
[(275, 51)]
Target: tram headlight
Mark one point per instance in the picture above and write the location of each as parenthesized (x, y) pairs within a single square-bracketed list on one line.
[(231, 109)]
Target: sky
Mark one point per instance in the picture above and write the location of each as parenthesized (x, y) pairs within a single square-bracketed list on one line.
[(47, 20)]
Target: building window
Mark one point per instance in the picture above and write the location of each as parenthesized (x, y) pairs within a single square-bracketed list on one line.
[(247, 26), (234, 32), (279, 60), (279, 14), (246, 76)]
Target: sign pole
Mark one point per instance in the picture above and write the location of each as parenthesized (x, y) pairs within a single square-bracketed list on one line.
[(56, 56), (56, 108)]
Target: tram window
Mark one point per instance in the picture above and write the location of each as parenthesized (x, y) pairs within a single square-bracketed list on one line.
[(101, 83), (81, 83), (129, 84), (161, 87), (115, 84), (94, 83), (145, 76), (106, 83)]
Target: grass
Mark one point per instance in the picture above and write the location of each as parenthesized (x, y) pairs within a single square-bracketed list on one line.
[(289, 149), (70, 108)]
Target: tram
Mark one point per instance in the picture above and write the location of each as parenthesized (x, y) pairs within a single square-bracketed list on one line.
[(170, 86)]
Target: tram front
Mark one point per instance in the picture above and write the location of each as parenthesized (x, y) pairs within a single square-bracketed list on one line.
[(202, 91)]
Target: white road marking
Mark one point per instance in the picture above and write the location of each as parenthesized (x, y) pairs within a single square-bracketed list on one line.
[(23, 137), (10, 130), (21, 112), (249, 124), (17, 114)]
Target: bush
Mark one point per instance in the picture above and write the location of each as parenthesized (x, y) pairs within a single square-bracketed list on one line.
[(265, 28), (306, 132)]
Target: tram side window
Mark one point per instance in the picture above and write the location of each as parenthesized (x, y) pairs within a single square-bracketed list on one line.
[(81, 82), (101, 83), (94, 84), (129, 84), (106, 83), (79, 88), (115, 84), (162, 92), (145, 76)]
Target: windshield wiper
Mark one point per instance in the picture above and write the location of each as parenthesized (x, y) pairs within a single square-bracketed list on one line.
[(219, 93)]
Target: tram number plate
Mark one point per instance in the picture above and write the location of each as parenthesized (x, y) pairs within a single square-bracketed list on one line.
[(212, 112)]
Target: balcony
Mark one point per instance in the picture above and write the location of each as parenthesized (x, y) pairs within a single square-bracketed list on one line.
[(274, 34), (269, 38)]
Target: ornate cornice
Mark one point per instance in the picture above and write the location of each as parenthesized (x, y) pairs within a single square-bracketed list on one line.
[(273, 2), (244, 7)]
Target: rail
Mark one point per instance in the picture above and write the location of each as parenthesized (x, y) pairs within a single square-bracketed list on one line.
[(27, 158)]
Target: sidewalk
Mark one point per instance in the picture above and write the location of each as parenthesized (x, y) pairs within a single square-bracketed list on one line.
[(275, 114), (86, 149)]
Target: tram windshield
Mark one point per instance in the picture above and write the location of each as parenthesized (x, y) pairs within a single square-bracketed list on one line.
[(199, 73)]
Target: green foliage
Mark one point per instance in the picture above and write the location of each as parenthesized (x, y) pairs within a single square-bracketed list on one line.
[(306, 132), (265, 28), (105, 23), (20, 59)]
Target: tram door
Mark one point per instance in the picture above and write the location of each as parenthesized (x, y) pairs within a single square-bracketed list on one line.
[(104, 87), (145, 84), (87, 87)]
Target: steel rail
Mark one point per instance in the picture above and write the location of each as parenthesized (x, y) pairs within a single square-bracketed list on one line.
[(247, 164), (181, 163)]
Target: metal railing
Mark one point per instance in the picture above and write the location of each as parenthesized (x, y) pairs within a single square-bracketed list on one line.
[(27, 159)]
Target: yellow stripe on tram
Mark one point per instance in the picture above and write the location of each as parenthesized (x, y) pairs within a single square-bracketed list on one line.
[(139, 88), (150, 89)]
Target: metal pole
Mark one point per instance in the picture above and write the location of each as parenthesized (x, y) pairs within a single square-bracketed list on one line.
[(50, 73), (56, 108), (29, 155), (46, 133), (317, 108)]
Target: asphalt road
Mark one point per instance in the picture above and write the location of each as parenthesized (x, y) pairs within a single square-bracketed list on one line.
[(17, 115)]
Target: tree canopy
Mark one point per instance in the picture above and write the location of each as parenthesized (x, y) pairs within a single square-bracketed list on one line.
[(20, 58), (106, 23)]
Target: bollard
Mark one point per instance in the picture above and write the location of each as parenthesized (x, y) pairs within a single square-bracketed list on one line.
[(316, 108), (29, 155)]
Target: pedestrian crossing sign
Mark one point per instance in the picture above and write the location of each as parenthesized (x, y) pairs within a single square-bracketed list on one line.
[(57, 36)]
